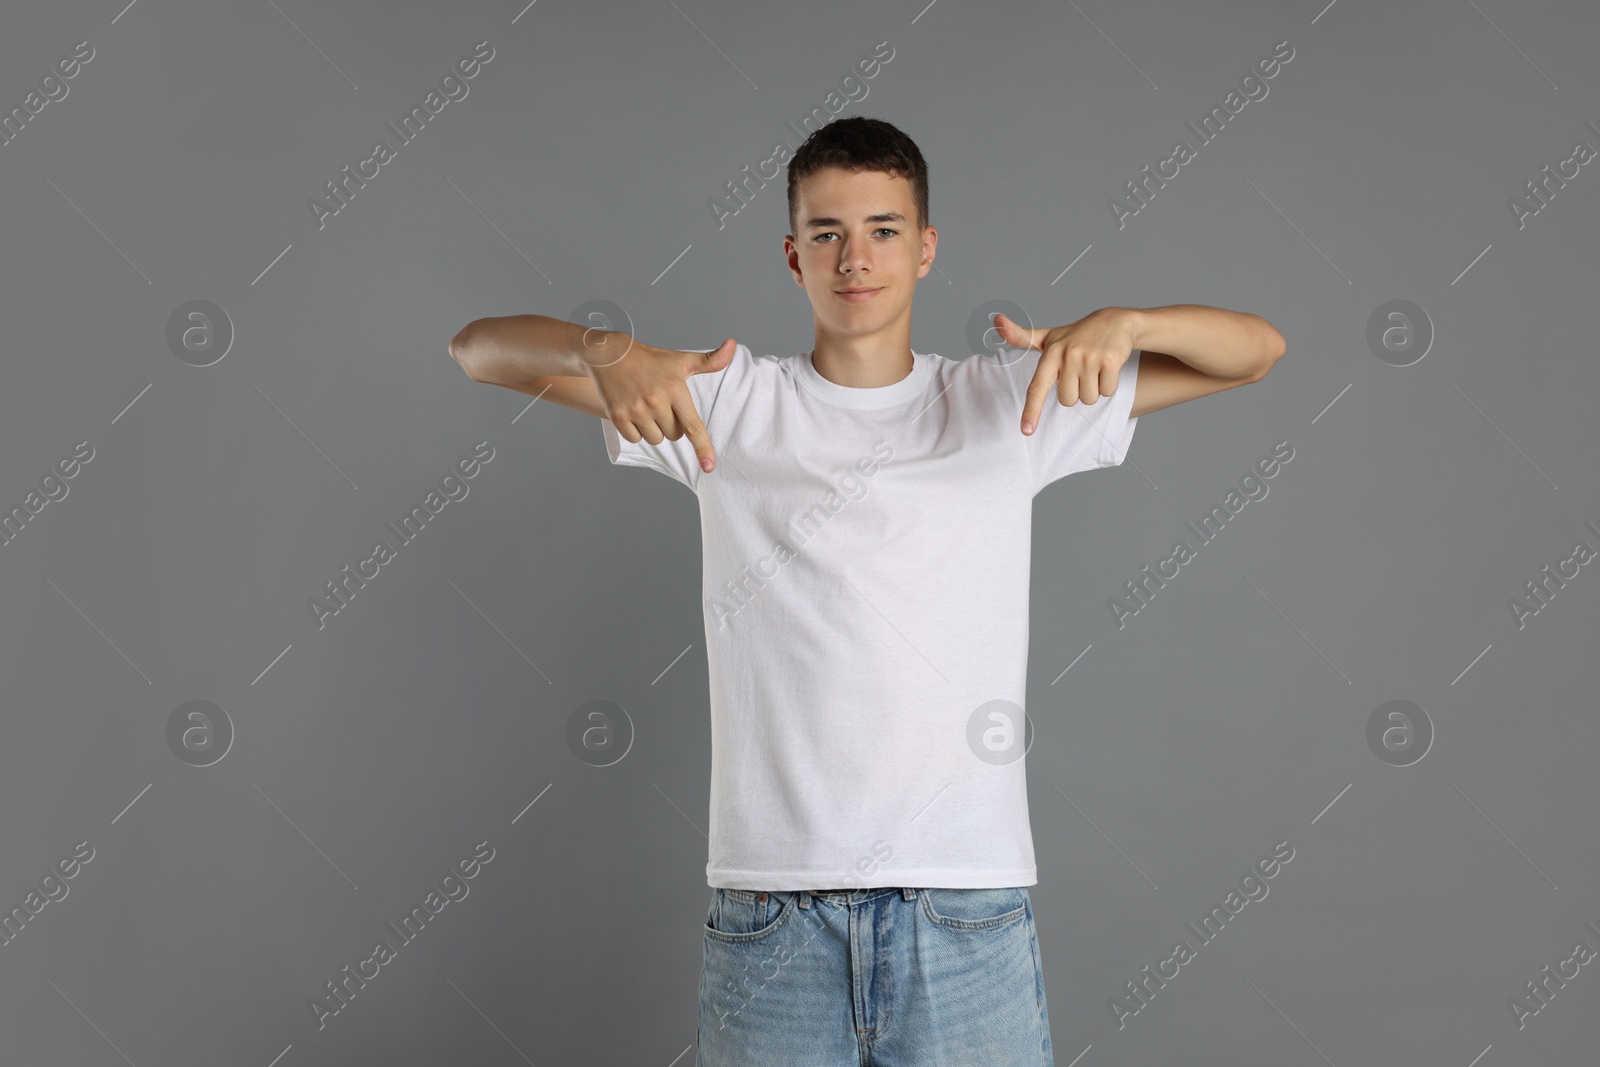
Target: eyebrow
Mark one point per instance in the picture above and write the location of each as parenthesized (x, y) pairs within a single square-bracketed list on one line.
[(887, 216)]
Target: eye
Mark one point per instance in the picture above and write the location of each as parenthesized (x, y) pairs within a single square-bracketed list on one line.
[(882, 229)]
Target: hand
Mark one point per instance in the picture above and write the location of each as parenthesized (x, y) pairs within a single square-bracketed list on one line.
[(1081, 360), (644, 390)]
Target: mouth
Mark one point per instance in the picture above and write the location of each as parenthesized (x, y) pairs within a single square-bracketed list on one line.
[(858, 295)]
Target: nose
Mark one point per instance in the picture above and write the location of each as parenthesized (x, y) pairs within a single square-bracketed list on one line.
[(855, 259)]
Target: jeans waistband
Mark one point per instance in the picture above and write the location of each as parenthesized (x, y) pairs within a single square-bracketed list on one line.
[(853, 896)]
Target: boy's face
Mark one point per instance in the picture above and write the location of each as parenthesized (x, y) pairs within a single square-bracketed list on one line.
[(846, 242)]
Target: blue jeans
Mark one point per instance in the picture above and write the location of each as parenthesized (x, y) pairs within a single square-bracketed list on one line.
[(884, 977)]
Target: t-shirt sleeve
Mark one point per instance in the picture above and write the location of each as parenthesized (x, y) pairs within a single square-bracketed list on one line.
[(1076, 438), (677, 459)]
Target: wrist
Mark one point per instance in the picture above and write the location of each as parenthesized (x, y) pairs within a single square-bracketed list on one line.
[(1135, 322), (599, 348)]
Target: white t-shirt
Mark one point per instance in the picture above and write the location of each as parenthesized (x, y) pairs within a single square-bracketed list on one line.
[(866, 559)]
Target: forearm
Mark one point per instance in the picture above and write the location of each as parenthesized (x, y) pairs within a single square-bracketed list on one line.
[(519, 348), (1224, 344)]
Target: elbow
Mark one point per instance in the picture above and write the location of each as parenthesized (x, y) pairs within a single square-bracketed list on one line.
[(1275, 347), (461, 348)]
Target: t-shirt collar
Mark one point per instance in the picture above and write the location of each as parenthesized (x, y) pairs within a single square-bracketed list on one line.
[(855, 397)]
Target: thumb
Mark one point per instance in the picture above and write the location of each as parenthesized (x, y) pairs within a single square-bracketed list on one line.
[(1017, 336), (716, 359)]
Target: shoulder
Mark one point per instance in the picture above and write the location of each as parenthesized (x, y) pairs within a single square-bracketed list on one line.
[(745, 372), (749, 368), (1002, 363), (991, 372), (745, 361)]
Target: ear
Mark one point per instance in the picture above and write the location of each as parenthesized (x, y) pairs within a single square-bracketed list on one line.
[(791, 254), (930, 246)]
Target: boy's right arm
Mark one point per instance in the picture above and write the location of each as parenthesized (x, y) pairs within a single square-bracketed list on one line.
[(646, 398), (579, 394), (519, 348)]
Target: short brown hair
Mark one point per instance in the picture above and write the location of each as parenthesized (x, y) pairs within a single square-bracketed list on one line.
[(859, 143)]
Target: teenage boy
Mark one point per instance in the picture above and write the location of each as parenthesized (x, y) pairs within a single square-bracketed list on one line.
[(866, 512)]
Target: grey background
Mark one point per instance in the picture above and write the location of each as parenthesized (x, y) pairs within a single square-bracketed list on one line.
[(430, 713)]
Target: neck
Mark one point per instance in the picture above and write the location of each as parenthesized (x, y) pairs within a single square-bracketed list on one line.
[(866, 361)]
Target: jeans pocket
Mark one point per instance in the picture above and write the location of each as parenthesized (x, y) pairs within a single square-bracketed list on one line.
[(974, 909), (740, 916)]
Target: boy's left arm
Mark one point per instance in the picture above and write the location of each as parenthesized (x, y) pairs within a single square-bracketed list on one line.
[(1186, 351)]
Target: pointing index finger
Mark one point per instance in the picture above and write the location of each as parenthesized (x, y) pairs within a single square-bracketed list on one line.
[(1044, 377), (695, 430)]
